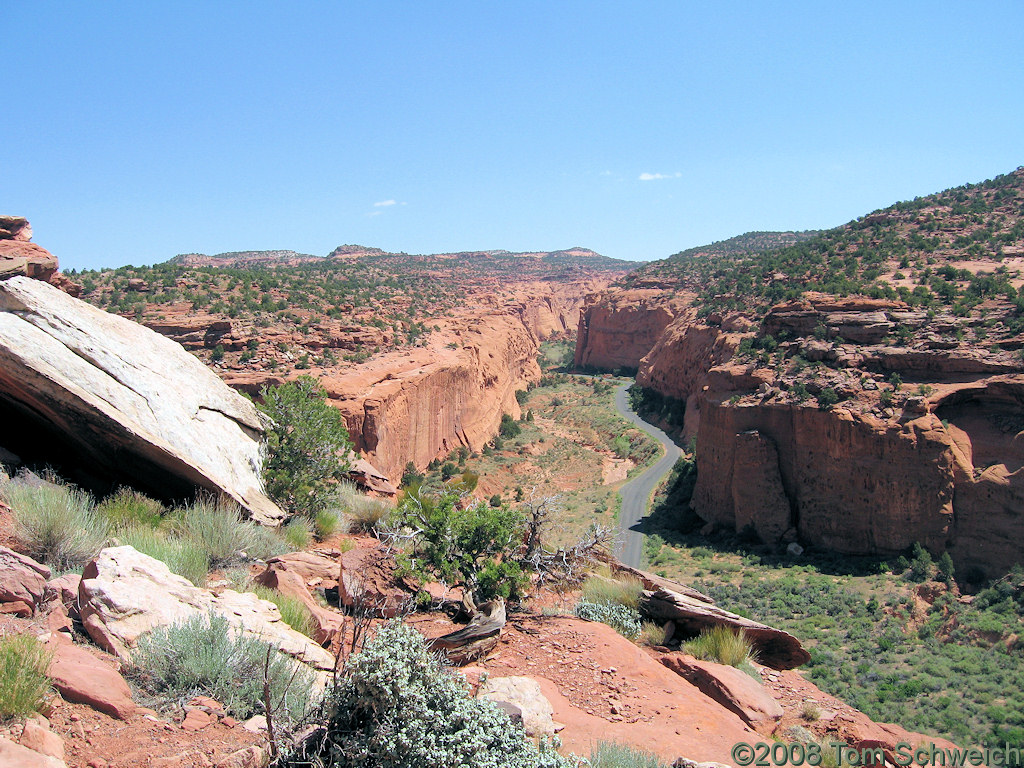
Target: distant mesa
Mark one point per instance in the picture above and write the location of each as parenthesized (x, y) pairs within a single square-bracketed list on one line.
[(240, 258)]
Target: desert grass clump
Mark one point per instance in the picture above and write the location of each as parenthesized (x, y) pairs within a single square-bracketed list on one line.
[(23, 681), (56, 523), (127, 508), (327, 523), (625, 591), (216, 527), (205, 656), (651, 634), (362, 512), (720, 643), (609, 754), (297, 533), (293, 611), (183, 556)]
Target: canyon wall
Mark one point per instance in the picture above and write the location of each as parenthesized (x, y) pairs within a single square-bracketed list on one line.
[(618, 328), (866, 477), (421, 404)]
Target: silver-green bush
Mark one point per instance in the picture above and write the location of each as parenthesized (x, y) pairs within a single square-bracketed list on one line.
[(204, 656), (396, 706), (217, 528), (621, 618), (57, 524)]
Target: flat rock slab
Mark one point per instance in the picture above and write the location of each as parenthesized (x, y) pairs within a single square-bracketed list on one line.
[(82, 678), (775, 648), (730, 687), (124, 403)]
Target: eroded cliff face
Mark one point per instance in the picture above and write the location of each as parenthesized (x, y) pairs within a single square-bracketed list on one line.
[(616, 329), (418, 405)]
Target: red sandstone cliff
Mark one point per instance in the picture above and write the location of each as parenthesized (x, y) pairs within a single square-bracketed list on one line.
[(616, 329)]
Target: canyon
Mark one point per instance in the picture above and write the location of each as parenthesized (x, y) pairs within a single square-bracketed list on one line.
[(418, 372), (855, 424)]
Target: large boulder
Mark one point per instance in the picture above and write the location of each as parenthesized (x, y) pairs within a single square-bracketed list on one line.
[(122, 404), (124, 594), (775, 648)]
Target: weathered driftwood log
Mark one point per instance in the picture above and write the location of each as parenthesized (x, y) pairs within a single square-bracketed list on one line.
[(774, 647), (475, 639)]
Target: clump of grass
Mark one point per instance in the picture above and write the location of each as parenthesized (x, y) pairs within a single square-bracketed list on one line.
[(721, 644), (205, 656), (182, 556), (216, 528), (294, 612), (810, 711), (297, 533), (362, 512), (23, 681), (608, 754), (56, 523), (327, 523), (127, 508), (625, 591), (651, 634)]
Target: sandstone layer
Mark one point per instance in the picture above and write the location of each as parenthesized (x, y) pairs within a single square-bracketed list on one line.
[(118, 404)]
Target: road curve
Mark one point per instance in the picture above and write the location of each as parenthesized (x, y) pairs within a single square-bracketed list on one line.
[(636, 494)]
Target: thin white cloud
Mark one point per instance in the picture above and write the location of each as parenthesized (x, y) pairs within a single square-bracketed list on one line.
[(375, 213), (656, 176), (384, 203)]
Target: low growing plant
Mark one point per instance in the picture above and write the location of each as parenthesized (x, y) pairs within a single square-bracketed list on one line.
[(23, 681), (217, 528), (205, 656), (621, 618), (721, 644), (396, 706), (57, 524), (608, 754)]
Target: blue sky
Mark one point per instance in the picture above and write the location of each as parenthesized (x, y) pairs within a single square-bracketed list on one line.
[(134, 131)]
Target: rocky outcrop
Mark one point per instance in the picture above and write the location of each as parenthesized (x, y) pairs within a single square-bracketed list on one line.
[(733, 689), (525, 694), (115, 403), (774, 647), (618, 328), (125, 594), (82, 678), (18, 256), (22, 579)]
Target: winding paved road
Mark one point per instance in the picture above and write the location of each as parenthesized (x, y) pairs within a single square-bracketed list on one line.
[(636, 494)]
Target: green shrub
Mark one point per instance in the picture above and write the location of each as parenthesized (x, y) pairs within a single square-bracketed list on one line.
[(307, 442), (396, 706), (621, 618), (204, 656), (470, 547), (182, 556), (622, 591), (294, 612), (217, 528), (128, 508), (326, 523), (721, 644), (608, 754), (298, 533), (57, 524), (23, 681)]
